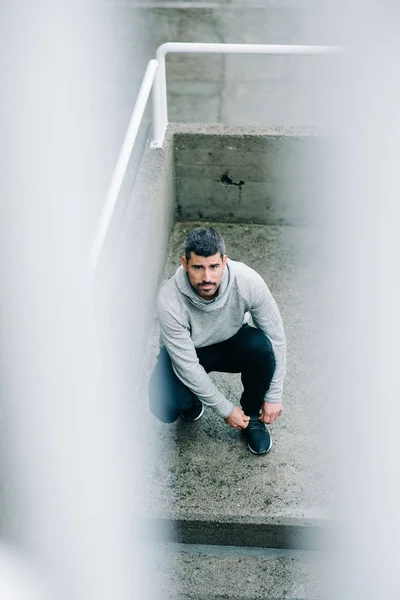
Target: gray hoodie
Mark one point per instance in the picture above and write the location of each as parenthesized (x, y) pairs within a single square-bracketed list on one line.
[(188, 322)]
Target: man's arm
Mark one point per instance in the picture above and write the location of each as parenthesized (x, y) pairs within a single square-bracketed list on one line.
[(180, 347)]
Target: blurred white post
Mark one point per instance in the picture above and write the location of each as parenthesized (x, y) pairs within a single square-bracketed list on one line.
[(365, 299), (72, 469)]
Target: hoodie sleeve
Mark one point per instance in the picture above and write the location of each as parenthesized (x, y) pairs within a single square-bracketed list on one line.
[(266, 316), (176, 338)]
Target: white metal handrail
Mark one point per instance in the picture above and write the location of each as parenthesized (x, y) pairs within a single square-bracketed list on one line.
[(160, 108), (155, 78), (122, 164)]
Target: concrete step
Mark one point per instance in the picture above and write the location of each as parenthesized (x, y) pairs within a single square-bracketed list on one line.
[(210, 572), (206, 487)]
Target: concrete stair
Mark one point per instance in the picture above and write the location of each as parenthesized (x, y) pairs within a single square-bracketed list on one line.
[(199, 572), (208, 489)]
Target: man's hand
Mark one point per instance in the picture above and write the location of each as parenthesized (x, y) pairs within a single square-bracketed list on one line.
[(237, 419), (270, 412)]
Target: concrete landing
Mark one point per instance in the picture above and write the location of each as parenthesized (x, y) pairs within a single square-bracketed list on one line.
[(233, 89), (204, 573), (202, 475)]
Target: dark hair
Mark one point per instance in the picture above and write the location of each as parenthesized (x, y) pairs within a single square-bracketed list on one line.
[(204, 241)]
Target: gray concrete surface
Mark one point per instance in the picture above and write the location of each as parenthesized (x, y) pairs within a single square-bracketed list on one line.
[(205, 89), (233, 89), (134, 258), (202, 475), (205, 573), (270, 175), (204, 482)]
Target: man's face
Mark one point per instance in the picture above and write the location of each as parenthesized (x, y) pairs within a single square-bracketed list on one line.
[(205, 273)]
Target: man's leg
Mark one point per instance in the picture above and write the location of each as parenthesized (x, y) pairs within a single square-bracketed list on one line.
[(257, 369), (168, 396), (250, 353)]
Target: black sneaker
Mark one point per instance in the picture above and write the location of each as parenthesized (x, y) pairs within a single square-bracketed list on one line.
[(194, 412), (257, 436)]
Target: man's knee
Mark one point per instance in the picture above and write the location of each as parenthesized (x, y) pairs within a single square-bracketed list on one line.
[(167, 394), (162, 412), (259, 347), (158, 398), (158, 389)]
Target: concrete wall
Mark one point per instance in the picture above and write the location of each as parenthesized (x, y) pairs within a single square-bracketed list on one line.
[(230, 89), (133, 262), (261, 175), (211, 172)]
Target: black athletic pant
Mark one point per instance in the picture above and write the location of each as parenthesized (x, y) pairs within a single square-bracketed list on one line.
[(248, 352)]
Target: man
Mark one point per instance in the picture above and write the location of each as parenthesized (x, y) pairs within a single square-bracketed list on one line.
[(203, 311)]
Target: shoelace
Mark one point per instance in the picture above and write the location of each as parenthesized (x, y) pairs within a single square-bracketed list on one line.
[(255, 424)]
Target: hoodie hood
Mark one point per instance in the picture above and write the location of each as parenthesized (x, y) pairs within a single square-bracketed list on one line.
[(185, 287)]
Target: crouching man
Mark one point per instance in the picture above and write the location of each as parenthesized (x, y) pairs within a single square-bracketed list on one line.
[(202, 311)]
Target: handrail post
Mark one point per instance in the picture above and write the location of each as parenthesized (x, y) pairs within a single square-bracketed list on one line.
[(160, 107)]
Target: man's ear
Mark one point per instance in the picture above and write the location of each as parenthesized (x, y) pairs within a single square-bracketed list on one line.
[(224, 258), (184, 262)]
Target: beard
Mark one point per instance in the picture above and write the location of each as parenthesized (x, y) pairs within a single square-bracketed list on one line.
[(206, 290)]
